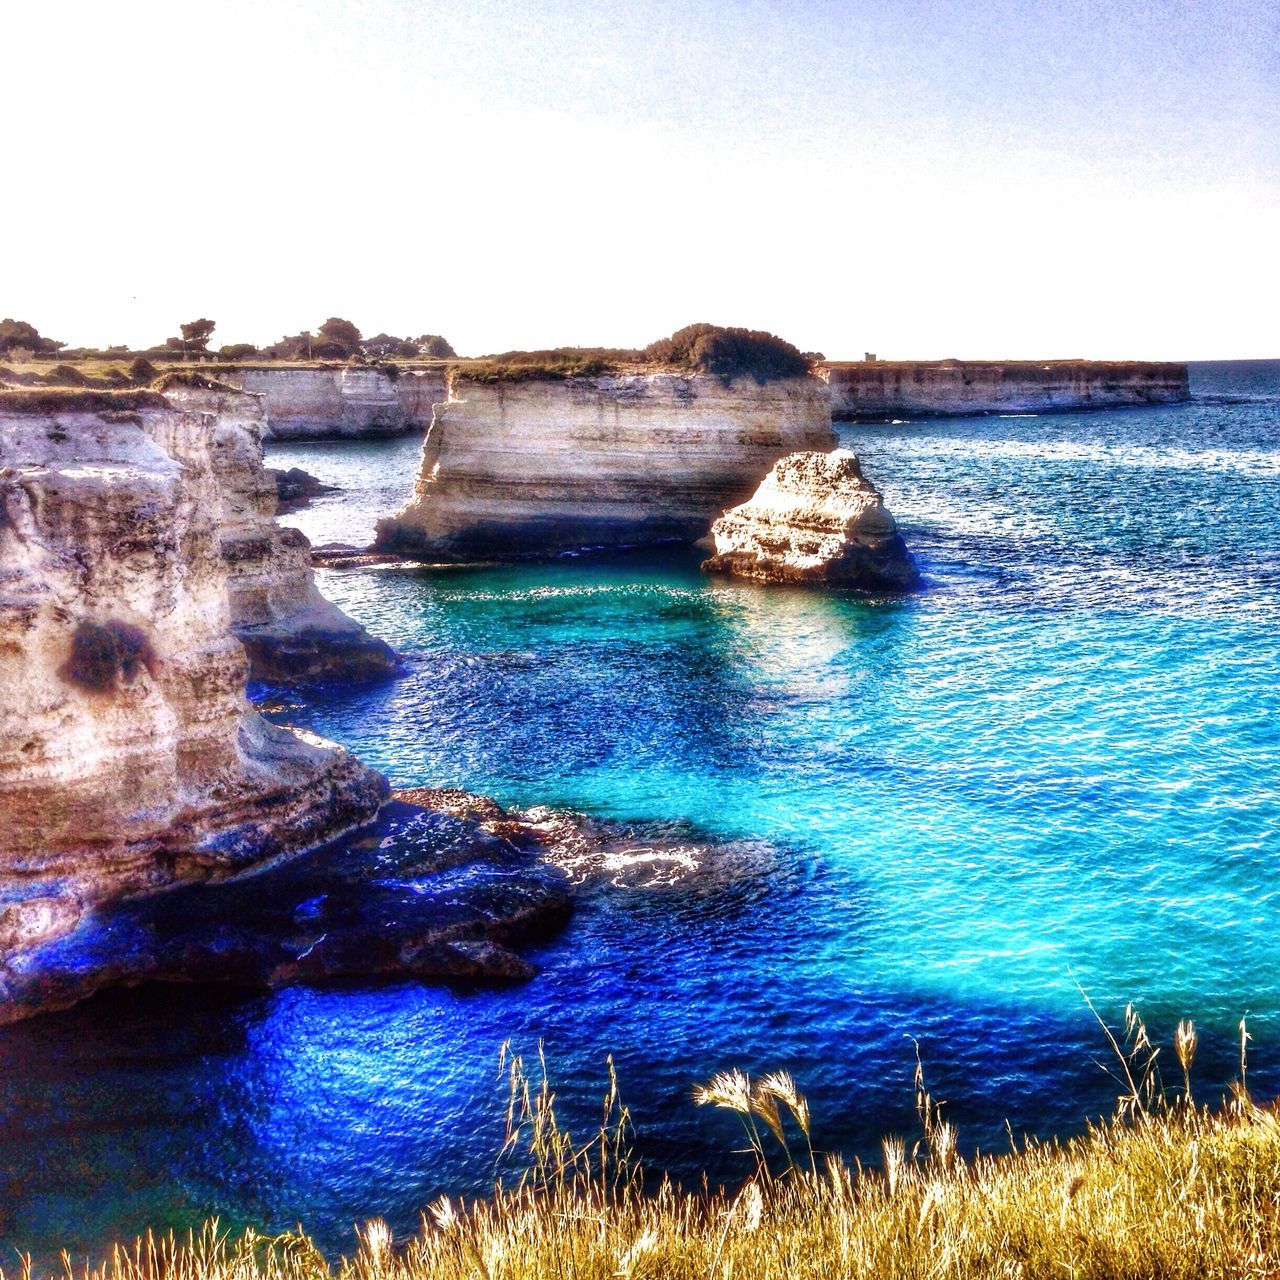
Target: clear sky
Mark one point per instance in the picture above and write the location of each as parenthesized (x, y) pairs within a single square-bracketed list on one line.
[(1004, 178)]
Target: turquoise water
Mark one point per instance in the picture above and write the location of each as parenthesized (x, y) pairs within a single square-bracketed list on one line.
[(885, 820)]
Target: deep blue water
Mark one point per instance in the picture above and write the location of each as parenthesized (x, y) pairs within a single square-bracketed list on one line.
[(881, 819)]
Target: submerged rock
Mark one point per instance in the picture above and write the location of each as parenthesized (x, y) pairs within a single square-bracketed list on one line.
[(426, 894), (295, 487), (814, 520)]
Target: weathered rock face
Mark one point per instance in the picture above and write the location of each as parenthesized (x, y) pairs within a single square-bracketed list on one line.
[(815, 520), (343, 402), (129, 758), (877, 390), (512, 469), (293, 635)]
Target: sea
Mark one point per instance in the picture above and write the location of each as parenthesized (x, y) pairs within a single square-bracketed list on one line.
[(859, 832)]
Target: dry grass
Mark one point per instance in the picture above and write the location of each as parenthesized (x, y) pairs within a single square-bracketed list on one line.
[(1165, 1189)]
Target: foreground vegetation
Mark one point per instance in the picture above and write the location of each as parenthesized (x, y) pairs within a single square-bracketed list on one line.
[(1164, 1189)]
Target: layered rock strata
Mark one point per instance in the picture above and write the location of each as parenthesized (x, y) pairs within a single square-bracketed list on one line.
[(815, 520), (293, 635), (514, 469), (878, 389), (129, 758), (340, 402)]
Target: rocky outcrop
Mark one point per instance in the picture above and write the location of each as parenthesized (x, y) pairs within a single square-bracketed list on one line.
[(879, 389), (340, 401), (129, 758), (529, 468), (295, 487), (293, 635), (816, 520), (433, 893)]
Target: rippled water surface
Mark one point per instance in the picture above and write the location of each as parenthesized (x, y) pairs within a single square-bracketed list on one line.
[(884, 820)]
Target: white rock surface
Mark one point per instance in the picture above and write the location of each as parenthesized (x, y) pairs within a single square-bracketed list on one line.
[(815, 520)]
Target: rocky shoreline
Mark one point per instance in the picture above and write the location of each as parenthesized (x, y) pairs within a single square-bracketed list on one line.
[(157, 827)]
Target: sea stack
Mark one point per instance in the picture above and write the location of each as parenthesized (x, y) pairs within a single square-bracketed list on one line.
[(129, 757), (524, 468), (815, 520)]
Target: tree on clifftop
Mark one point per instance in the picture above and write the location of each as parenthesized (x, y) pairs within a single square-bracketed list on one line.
[(338, 333), (196, 335), (18, 335), (432, 344), (728, 352), (194, 340)]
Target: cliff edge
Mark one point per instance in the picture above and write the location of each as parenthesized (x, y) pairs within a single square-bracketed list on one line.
[(129, 758), (874, 390), (292, 634)]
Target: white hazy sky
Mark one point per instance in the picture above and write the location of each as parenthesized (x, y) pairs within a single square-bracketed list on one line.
[(1009, 178)]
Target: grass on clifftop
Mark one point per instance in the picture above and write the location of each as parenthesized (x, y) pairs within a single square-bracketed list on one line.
[(697, 348), (1164, 1189), (38, 400)]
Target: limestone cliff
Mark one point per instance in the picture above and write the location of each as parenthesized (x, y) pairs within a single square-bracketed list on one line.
[(292, 633), (879, 389), (129, 758), (339, 402), (815, 520), (530, 468)]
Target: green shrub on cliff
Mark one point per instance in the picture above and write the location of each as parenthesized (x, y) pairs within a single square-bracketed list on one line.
[(697, 348), (728, 353), (551, 365)]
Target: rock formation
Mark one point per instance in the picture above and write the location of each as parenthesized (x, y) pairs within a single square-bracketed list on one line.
[(528, 468), (427, 893), (129, 758), (131, 762), (293, 635), (815, 520), (878, 389), (341, 401), (295, 487)]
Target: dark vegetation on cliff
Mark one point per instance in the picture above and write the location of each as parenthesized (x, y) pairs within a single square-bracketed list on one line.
[(76, 400), (697, 348), (336, 339)]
